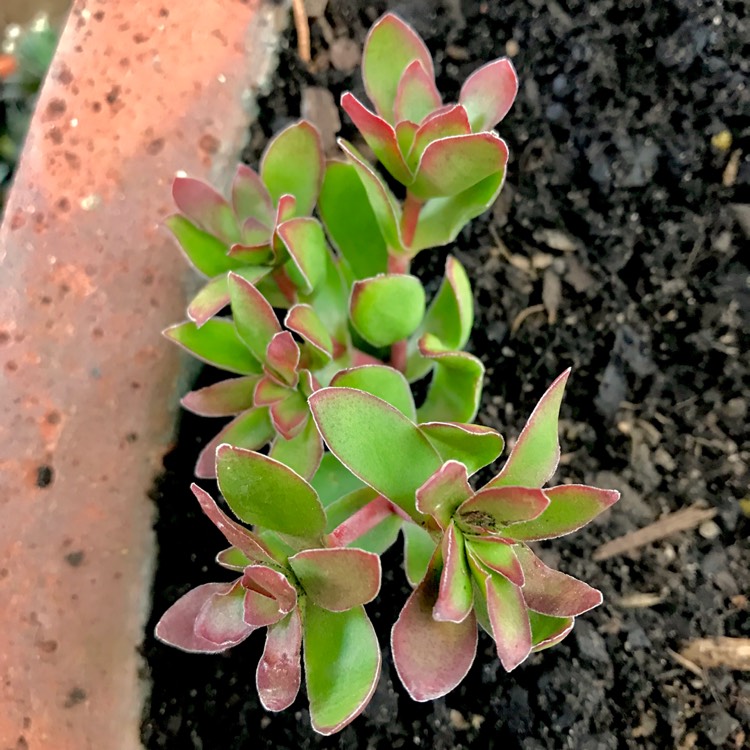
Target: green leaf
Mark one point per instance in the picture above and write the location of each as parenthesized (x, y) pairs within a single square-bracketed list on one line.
[(390, 46), (206, 252), (471, 444), (381, 381), (353, 423), (302, 453), (265, 492), (342, 665), (350, 221), (293, 164), (442, 494), (306, 245), (548, 631), (254, 318), (250, 198), (417, 95), (232, 559), (419, 547), (380, 537), (497, 555), (217, 343), (387, 308), (223, 399), (304, 321), (330, 301), (215, 294), (447, 122), (455, 597), (488, 93), (204, 206), (509, 618), (451, 313), (491, 509), (534, 457)]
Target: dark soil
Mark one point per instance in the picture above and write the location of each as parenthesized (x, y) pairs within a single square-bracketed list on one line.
[(621, 217)]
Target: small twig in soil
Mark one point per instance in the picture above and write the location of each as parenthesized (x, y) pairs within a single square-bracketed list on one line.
[(731, 653), (521, 317), (303, 30), (682, 520)]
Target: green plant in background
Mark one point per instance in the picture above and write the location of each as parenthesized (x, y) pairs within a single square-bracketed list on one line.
[(334, 371)]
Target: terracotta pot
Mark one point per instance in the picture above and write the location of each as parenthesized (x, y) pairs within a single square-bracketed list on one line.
[(138, 90)]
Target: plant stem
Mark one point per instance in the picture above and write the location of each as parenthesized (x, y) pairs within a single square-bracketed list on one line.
[(357, 525), (286, 287), (409, 218)]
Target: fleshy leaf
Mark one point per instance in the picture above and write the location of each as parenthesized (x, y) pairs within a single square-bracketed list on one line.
[(254, 318), (223, 399), (269, 391), (379, 135), (293, 164), (342, 665), (279, 672), (417, 95), (250, 198), (390, 47), (206, 252), (204, 206), (364, 506), (497, 555), (536, 453), (330, 302), (260, 610), (290, 416), (387, 308), (471, 444), (571, 507), (177, 625), (488, 93), (271, 583), (215, 294), (304, 321), (431, 657), (405, 133), (265, 492), (220, 619), (352, 421), (333, 480), (443, 124), (509, 618), (251, 429), (442, 494), (551, 592), (302, 453), (217, 343), (451, 313), (490, 510), (282, 358), (452, 165), (419, 547), (306, 244), (350, 221), (381, 381), (548, 631), (232, 559), (339, 578), (455, 596)]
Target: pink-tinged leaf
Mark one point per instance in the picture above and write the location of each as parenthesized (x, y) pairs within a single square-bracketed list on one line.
[(364, 516), (548, 631), (279, 673), (259, 610), (535, 455), (491, 510), (497, 555), (254, 318), (273, 583), (177, 625), (417, 95), (203, 205), (406, 132), (488, 93), (551, 592), (251, 429), (268, 392), (452, 165), (293, 164), (215, 294), (390, 47), (220, 619), (250, 197), (238, 536), (385, 207), (232, 559), (471, 444), (339, 578), (302, 453), (306, 244), (286, 209), (282, 357), (571, 507), (380, 137), (443, 492), (290, 415), (304, 321), (431, 657), (451, 121), (455, 596), (252, 255), (255, 233), (223, 399)]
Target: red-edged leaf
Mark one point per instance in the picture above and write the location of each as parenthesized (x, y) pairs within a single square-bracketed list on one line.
[(303, 320), (443, 492), (473, 445), (391, 45), (536, 453), (268, 391), (255, 233), (417, 95), (419, 549), (302, 453), (488, 93), (207, 253), (220, 619), (254, 318), (203, 205), (290, 415), (431, 657), (238, 536), (491, 510), (452, 121), (210, 300), (250, 197), (251, 255), (305, 242), (455, 596), (223, 399), (279, 672), (282, 357), (497, 555), (260, 610), (380, 137), (551, 592), (339, 578), (548, 631), (450, 166), (177, 625), (271, 583), (251, 429), (232, 559), (405, 133), (571, 507)]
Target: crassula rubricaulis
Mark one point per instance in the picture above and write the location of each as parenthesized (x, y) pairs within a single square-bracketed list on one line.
[(326, 343)]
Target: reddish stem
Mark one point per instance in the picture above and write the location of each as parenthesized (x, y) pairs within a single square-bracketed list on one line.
[(285, 284), (409, 218), (357, 525)]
